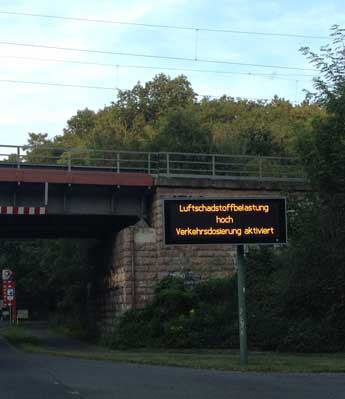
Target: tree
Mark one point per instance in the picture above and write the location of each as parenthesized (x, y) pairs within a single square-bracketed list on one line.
[(108, 131), (181, 130), (38, 139), (259, 141), (240, 126), (324, 151), (52, 275), (39, 149), (155, 98), (313, 265), (78, 129), (141, 118)]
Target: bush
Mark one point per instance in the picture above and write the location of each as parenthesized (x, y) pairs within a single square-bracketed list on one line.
[(309, 336), (182, 317), (293, 304), (133, 330)]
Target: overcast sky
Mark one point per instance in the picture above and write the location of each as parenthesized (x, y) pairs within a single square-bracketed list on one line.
[(38, 108)]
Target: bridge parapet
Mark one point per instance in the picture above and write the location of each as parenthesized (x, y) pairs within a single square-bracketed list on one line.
[(193, 165)]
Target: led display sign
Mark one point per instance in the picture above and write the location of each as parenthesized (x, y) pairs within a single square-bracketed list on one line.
[(225, 221)]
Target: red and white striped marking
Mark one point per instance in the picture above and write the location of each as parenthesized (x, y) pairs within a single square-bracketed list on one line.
[(23, 210)]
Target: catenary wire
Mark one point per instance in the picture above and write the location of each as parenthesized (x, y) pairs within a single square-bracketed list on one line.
[(57, 84), (12, 81), (153, 56), (176, 27), (280, 76)]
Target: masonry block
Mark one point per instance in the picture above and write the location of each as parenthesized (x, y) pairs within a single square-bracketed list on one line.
[(143, 248)]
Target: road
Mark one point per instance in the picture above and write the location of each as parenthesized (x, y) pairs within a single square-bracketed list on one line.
[(24, 376)]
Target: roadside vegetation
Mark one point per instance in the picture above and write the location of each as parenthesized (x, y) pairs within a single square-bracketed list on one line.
[(19, 337), (296, 295), (224, 359)]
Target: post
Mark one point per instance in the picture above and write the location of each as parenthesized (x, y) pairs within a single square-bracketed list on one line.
[(46, 194), (213, 165), (168, 164), (242, 316), (117, 162), (149, 163), (10, 311), (69, 160), (18, 157)]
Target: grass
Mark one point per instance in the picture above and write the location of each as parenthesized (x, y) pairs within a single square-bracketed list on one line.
[(18, 337), (200, 359), (228, 361), (76, 333)]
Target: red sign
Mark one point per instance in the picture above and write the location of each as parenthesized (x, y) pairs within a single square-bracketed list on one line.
[(9, 291)]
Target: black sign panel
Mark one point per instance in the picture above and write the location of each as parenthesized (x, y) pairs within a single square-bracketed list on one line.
[(225, 221)]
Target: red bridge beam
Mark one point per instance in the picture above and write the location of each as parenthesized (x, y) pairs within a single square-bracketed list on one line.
[(100, 178)]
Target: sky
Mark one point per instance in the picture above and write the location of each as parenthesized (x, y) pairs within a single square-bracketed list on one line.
[(215, 55)]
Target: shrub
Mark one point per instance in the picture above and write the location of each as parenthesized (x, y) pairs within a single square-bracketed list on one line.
[(292, 305), (308, 336), (133, 329), (182, 316)]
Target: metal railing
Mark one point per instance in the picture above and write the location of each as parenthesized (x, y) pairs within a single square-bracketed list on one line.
[(217, 166)]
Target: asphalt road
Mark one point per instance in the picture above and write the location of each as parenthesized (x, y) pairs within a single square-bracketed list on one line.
[(24, 376)]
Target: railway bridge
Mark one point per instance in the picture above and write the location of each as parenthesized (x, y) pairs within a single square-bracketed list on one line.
[(116, 196)]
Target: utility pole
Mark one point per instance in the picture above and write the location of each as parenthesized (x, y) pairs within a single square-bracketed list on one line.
[(242, 315)]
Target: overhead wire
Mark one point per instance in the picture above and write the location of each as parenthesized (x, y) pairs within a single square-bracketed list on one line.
[(153, 56), (274, 75), (12, 81), (57, 84), (160, 26)]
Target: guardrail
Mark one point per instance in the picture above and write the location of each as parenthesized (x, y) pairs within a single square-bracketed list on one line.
[(155, 163)]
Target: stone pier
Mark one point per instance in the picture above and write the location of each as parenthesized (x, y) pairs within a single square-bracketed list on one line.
[(141, 258)]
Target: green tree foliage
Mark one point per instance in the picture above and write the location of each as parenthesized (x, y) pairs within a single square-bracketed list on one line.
[(38, 139), (80, 124), (154, 99), (53, 276), (109, 132), (324, 151), (306, 283), (165, 115), (298, 293), (181, 130), (78, 129), (256, 127), (39, 149)]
